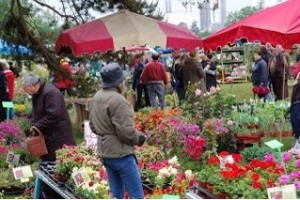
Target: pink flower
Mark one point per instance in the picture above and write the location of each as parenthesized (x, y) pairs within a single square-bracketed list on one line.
[(286, 157), (230, 123), (298, 163), (198, 92), (212, 90), (269, 157)]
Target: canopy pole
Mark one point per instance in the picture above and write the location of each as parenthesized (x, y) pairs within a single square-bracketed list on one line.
[(124, 58)]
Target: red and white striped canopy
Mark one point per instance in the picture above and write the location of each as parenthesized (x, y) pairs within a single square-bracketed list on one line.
[(124, 29)]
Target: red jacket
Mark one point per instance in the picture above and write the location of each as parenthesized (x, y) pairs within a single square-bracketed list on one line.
[(10, 79), (154, 71), (62, 81)]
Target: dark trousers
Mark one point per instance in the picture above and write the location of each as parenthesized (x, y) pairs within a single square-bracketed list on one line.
[(139, 94)]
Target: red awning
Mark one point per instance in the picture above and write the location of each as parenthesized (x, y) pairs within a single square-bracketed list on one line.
[(124, 29), (279, 24)]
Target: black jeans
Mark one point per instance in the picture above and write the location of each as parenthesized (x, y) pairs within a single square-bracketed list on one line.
[(139, 95)]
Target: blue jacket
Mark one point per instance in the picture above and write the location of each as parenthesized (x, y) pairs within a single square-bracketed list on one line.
[(260, 73)]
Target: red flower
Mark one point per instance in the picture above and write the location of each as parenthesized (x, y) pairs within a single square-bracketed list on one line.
[(224, 154), (255, 176), (213, 160), (91, 183), (257, 185), (270, 183), (237, 157), (230, 174)]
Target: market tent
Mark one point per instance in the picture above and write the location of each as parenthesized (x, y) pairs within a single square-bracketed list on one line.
[(13, 49), (124, 29), (279, 24)]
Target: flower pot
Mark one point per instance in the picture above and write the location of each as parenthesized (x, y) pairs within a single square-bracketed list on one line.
[(222, 195), (267, 133), (277, 134), (60, 178), (203, 185), (209, 188), (287, 133)]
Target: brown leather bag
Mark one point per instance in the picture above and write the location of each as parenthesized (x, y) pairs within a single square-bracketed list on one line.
[(36, 145)]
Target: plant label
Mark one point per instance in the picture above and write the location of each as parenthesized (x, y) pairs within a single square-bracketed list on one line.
[(283, 192), (12, 158), (274, 144), (166, 196), (7, 104), (80, 177), (22, 172)]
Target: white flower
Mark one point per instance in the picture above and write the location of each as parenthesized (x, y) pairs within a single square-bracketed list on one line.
[(75, 169), (173, 161), (229, 159), (188, 174), (164, 172), (172, 170)]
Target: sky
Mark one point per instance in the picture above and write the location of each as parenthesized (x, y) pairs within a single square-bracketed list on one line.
[(180, 13)]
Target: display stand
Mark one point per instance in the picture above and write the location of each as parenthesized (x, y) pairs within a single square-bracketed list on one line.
[(43, 177), (82, 107)]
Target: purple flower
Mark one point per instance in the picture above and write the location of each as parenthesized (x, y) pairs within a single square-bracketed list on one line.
[(286, 157), (297, 184), (284, 179), (295, 175), (298, 163), (269, 157)]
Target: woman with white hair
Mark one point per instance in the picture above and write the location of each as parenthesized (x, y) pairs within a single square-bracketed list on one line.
[(50, 118)]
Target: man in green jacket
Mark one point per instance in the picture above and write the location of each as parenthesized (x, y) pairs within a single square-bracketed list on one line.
[(112, 119)]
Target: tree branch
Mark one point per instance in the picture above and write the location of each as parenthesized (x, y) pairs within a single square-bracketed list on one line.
[(54, 10)]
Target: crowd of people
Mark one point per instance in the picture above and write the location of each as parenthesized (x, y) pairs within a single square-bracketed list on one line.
[(153, 77)]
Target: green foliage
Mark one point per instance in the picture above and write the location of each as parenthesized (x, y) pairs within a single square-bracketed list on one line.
[(244, 12), (255, 152), (195, 28), (86, 87)]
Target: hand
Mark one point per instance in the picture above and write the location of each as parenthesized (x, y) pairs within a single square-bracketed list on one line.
[(142, 139)]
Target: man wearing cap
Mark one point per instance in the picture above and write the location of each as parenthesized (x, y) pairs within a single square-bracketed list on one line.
[(112, 119)]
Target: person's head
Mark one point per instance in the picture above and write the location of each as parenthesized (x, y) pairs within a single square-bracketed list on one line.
[(183, 57), (264, 50), (3, 65), (175, 53), (113, 76), (210, 56), (31, 83), (257, 55), (155, 56)]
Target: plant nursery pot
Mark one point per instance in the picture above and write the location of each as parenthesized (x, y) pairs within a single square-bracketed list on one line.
[(13, 190), (287, 133), (277, 134), (222, 195), (60, 178), (203, 185), (210, 188)]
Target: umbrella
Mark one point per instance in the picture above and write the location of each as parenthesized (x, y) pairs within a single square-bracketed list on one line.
[(124, 29), (279, 24), (136, 48)]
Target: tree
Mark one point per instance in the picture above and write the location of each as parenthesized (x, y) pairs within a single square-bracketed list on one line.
[(244, 12), (27, 23), (183, 24), (195, 28)]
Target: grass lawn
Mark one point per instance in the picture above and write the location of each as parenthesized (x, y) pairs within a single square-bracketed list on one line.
[(243, 91)]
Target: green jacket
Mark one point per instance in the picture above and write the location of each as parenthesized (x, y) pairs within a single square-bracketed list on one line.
[(112, 119)]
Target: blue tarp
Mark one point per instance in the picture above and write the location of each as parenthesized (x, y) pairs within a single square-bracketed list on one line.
[(12, 49)]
